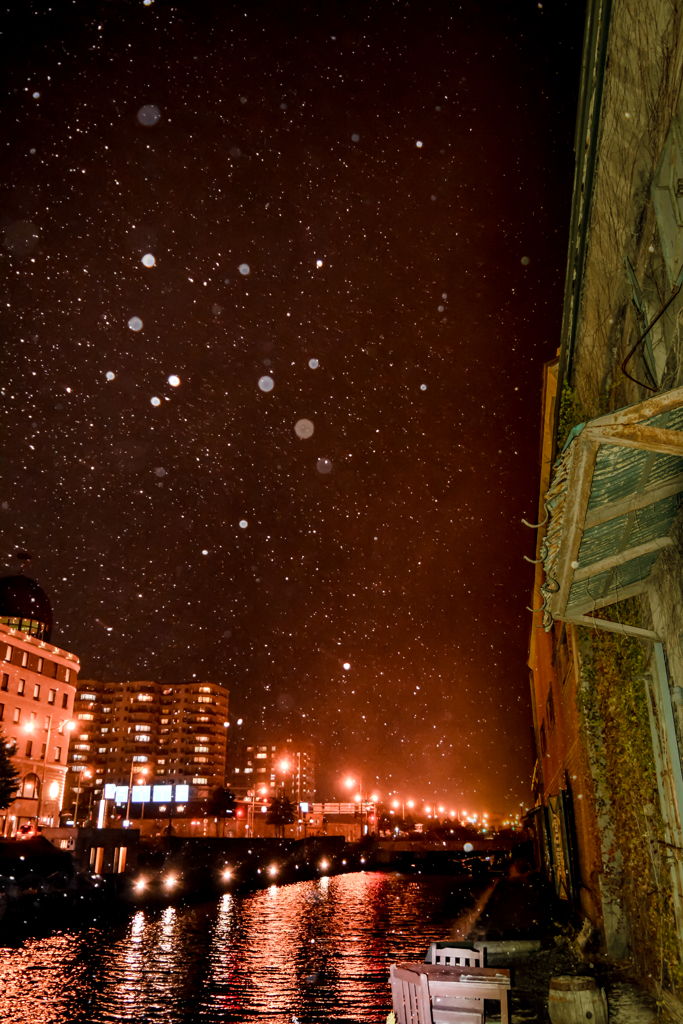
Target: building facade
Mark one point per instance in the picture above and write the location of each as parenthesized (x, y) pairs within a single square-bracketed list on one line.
[(606, 649), (37, 689), (273, 767), (147, 732)]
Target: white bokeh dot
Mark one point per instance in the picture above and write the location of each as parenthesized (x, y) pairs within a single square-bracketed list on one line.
[(205, 552), (423, 387), (324, 466), (313, 363), (243, 524), (419, 145), (173, 380), (155, 400), (148, 115), (109, 375), (266, 383), (318, 263), (148, 260), (244, 268), (135, 323), (303, 428), (346, 665)]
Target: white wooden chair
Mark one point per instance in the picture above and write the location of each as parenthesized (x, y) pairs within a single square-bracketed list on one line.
[(464, 1010), (456, 956), (450, 1009), (410, 996)]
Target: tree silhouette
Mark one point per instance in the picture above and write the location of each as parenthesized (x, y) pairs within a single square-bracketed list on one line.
[(222, 805), (9, 776), (281, 813)]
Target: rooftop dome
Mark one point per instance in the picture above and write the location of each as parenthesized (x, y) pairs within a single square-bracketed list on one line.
[(25, 606)]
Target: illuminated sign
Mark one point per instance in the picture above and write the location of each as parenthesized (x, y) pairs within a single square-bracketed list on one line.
[(121, 794), (140, 794), (162, 794), (110, 791), (182, 794)]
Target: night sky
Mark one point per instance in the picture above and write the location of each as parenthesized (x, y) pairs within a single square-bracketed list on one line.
[(364, 208)]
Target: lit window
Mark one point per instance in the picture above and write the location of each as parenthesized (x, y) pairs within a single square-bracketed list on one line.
[(200, 760), (205, 700), (202, 750), (143, 728), (262, 756), (205, 689), (140, 757), (145, 696), (200, 782), (248, 771), (21, 687), (142, 738), (17, 715), (36, 691), (87, 696), (52, 696), (58, 753), (86, 717)]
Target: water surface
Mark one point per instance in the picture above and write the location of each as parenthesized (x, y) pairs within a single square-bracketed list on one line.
[(310, 952)]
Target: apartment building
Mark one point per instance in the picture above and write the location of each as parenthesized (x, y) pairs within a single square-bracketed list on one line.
[(148, 732), (37, 688), (275, 766)]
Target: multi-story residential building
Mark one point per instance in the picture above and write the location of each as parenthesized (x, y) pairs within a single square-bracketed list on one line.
[(278, 766), (37, 687), (148, 732)]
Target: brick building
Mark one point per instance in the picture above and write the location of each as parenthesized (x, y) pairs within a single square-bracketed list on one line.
[(37, 688)]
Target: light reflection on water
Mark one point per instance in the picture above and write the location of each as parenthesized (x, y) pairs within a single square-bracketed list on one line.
[(315, 951)]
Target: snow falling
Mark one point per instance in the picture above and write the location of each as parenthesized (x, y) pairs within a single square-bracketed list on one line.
[(276, 309)]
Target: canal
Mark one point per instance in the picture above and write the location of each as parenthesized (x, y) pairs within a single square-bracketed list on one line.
[(305, 953)]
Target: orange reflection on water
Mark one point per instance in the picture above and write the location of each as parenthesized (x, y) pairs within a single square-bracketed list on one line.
[(314, 951)]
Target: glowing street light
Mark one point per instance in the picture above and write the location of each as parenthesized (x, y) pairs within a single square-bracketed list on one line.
[(29, 728)]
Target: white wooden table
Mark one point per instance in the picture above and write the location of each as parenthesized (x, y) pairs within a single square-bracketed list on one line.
[(459, 983)]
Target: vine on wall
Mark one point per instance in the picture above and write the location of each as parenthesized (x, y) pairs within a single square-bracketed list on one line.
[(613, 703)]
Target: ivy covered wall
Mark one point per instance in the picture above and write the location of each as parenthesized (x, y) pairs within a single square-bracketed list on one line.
[(614, 707)]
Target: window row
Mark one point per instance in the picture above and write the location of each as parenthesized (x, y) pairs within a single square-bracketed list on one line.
[(37, 663), (37, 689)]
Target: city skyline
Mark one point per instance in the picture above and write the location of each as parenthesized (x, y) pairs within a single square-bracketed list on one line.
[(275, 325)]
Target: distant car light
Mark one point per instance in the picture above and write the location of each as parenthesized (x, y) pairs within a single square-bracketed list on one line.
[(227, 874), (170, 881), (140, 884), (272, 870)]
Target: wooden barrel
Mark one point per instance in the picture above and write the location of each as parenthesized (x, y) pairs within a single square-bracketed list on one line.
[(575, 999)]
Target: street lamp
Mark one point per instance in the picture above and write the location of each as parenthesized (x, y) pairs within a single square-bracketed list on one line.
[(141, 771), (350, 783), (29, 727)]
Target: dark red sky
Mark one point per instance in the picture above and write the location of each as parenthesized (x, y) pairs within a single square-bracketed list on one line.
[(419, 151)]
